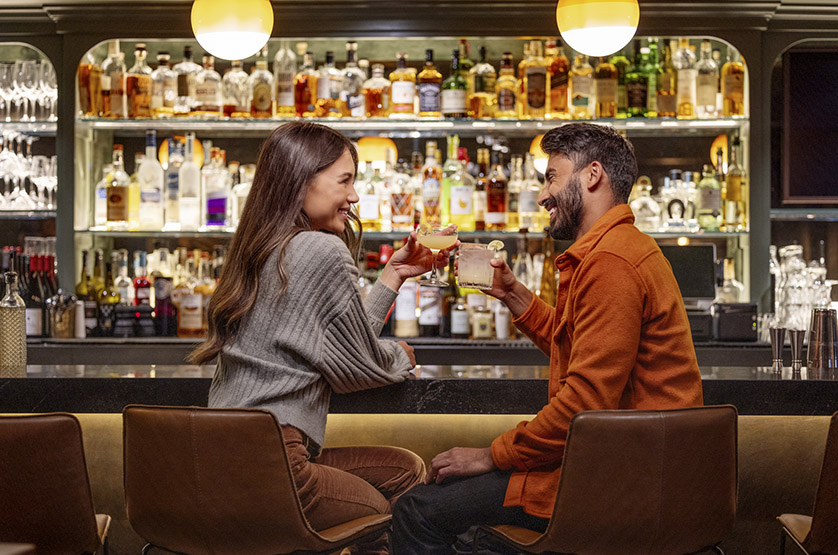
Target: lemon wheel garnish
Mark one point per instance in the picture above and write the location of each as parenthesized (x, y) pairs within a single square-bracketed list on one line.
[(496, 245)]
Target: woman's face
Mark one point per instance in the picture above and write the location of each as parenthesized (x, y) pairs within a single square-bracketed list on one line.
[(331, 195)]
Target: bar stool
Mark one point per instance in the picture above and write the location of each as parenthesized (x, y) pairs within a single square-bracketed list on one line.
[(818, 533), (207, 481), (658, 482), (45, 494)]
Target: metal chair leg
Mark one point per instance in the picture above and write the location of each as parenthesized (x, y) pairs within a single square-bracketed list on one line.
[(146, 549), (782, 541)]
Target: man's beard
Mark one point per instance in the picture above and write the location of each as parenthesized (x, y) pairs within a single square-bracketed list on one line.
[(568, 217)]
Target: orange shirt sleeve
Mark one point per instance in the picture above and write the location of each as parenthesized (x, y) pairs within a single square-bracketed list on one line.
[(537, 323), (608, 299)]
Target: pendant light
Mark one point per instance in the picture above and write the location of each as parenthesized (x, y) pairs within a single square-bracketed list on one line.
[(232, 31), (597, 27)]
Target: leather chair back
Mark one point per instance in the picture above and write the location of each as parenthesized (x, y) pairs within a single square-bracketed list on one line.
[(212, 481), (653, 482), (45, 494), (823, 536)]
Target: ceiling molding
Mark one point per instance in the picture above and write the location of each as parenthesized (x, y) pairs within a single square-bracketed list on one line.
[(25, 22)]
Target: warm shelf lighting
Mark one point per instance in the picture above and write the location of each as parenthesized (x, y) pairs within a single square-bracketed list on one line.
[(232, 31), (597, 27), (376, 150), (540, 157)]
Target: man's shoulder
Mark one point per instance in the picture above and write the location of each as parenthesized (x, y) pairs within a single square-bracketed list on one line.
[(629, 243)]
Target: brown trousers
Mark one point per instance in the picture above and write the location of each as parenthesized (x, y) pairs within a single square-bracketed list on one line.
[(344, 483)]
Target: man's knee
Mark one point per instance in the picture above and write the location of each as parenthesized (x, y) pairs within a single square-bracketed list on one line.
[(413, 504)]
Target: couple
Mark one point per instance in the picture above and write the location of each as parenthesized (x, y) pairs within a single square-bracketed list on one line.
[(288, 327)]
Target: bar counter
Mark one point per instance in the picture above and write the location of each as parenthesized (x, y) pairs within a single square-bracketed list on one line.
[(457, 389)]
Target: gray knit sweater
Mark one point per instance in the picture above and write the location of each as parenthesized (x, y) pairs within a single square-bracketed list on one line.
[(291, 353)]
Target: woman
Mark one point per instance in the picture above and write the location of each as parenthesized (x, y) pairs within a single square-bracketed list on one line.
[(288, 326)]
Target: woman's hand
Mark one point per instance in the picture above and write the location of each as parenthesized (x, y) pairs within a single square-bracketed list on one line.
[(409, 351), (412, 260)]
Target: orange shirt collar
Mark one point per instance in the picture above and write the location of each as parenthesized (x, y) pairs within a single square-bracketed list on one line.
[(619, 214)]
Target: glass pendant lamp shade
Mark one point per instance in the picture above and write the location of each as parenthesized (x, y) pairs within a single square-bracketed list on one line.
[(232, 31), (597, 27)]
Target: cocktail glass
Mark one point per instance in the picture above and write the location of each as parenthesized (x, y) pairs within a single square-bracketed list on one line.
[(474, 267), (436, 238)]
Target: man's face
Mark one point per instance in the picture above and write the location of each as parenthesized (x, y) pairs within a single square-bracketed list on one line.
[(562, 198)]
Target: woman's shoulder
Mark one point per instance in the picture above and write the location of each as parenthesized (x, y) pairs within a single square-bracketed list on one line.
[(320, 248)]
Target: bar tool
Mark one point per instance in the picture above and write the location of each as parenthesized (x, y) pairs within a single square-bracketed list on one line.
[(778, 337), (822, 353), (796, 339)]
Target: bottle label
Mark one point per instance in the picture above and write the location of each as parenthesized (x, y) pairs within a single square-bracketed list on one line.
[(117, 209), (706, 88), (284, 89), (368, 207), (637, 95), (606, 90), (105, 83), (503, 322), (143, 295), (734, 187), (480, 205), (559, 80), (401, 206), (152, 196), (401, 95), (666, 104), (528, 201), (117, 88), (462, 202), (107, 318), (406, 302), (208, 97), (506, 100), (324, 89), (190, 312), (429, 97), (710, 200), (481, 325), (459, 322), (495, 217), (261, 102), (430, 188), (536, 87), (355, 105), (139, 96), (686, 86), (582, 85), (429, 313), (34, 324), (453, 101), (484, 84), (90, 316), (162, 288), (733, 86)]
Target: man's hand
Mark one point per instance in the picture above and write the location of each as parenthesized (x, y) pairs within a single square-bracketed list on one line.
[(460, 461)]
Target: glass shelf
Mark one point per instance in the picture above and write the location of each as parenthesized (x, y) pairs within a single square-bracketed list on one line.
[(804, 215), (47, 128), (415, 128), (27, 214)]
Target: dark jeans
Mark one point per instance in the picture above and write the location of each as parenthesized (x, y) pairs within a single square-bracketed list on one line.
[(428, 518)]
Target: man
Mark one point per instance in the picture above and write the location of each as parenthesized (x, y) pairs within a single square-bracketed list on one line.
[(618, 338)]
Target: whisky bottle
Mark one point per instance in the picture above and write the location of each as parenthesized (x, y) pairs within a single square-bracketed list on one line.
[(582, 88), (522, 91), (513, 195), (481, 188), (709, 201), (651, 68), (329, 85), (115, 103), (621, 63), (536, 84), (559, 70), (684, 61), (284, 70), (117, 191), (163, 88), (667, 85), (429, 87), (528, 209), (260, 88), (402, 89), (481, 88), (454, 93), (351, 94), (431, 183), (496, 195), (369, 200), (707, 83), (90, 87), (637, 86), (187, 71), (733, 86), (605, 89), (506, 90), (736, 198), (138, 85), (305, 88), (376, 91), (207, 91), (235, 95)]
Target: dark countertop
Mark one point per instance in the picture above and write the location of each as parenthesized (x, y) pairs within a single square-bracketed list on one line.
[(458, 389)]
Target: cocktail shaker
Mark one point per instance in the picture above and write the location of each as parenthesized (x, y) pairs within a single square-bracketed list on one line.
[(796, 340), (822, 357), (778, 337)]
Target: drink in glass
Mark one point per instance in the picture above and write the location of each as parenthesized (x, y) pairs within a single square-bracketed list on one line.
[(475, 268), (436, 238)]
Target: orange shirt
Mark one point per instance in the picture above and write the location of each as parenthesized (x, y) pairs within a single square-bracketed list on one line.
[(618, 339)]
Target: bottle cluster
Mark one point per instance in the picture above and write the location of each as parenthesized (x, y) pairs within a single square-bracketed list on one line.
[(664, 78), (37, 282)]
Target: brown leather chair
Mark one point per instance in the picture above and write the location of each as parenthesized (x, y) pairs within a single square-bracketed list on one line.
[(217, 481), (818, 533), (657, 482), (45, 494)]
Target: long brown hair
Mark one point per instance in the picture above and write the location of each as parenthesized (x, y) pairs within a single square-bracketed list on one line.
[(290, 159)]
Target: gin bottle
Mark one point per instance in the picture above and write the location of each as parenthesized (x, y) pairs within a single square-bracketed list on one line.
[(234, 92), (215, 192), (207, 91), (163, 88), (351, 94), (187, 71), (285, 68), (172, 181), (12, 330), (707, 83)]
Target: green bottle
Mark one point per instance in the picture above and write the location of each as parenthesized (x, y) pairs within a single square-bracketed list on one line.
[(709, 202), (454, 93), (622, 64), (637, 86)]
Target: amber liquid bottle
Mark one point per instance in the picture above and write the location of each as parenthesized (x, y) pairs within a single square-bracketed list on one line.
[(733, 87), (547, 288), (429, 87), (305, 87), (605, 89), (496, 196), (559, 70), (480, 189), (90, 88)]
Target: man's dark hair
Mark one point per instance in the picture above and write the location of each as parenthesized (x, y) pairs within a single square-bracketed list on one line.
[(584, 143)]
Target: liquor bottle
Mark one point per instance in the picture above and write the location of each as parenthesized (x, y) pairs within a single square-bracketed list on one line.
[(706, 83), (460, 326), (684, 61), (431, 178), (402, 89), (401, 198), (637, 86), (647, 212), (717, 59), (351, 92), (733, 86), (450, 167), (90, 87), (163, 88), (190, 306), (51, 274), (429, 87), (449, 301), (150, 177), (172, 181), (34, 296), (117, 189), (605, 89), (12, 329), (528, 209), (165, 312), (329, 84), (559, 70), (481, 186), (115, 103), (536, 84), (621, 63), (513, 196), (651, 68), (463, 51), (100, 198), (547, 287), (98, 279), (709, 205), (305, 88), (215, 183), (481, 317), (260, 88), (460, 186), (107, 300), (207, 91), (522, 263), (285, 69), (731, 290), (521, 93), (189, 189), (85, 292), (407, 324), (138, 85), (235, 95), (454, 92), (667, 85), (506, 89), (430, 310), (582, 88), (496, 195), (123, 284), (376, 91), (736, 208), (482, 79), (187, 72), (369, 200), (207, 284), (142, 286)]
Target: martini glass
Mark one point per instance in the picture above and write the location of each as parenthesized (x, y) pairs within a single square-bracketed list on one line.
[(436, 238)]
